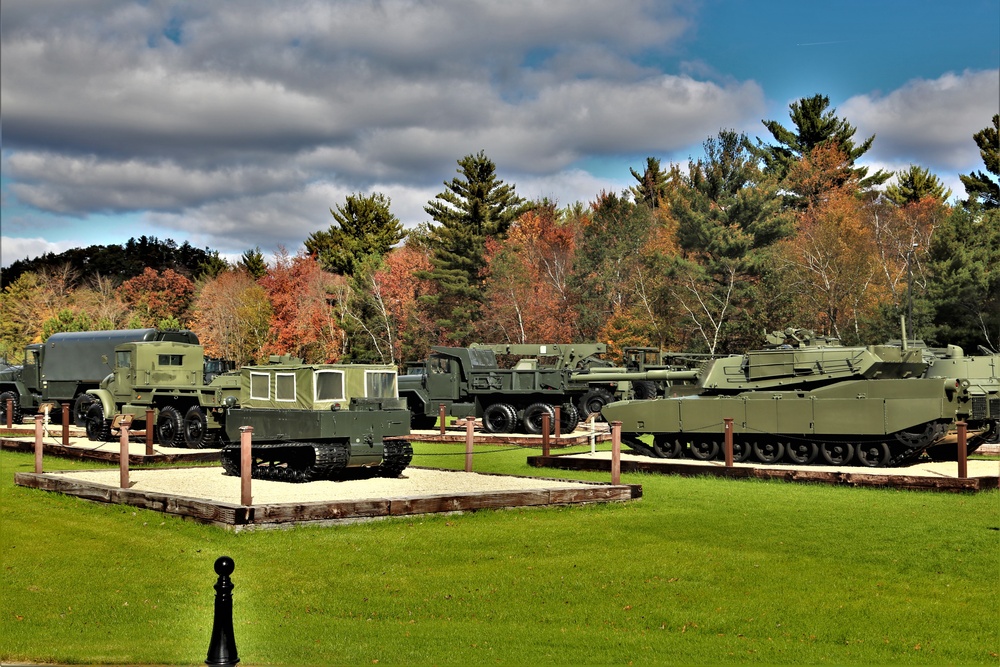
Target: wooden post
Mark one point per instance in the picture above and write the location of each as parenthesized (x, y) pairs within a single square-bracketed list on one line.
[(616, 452), (470, 427), (65, 424), (10, 413), (150, 429), (38, 442), (546, 425), (963, 450), (728, 442), (558, 422), (441, 417), (246, 464), (123, 455)]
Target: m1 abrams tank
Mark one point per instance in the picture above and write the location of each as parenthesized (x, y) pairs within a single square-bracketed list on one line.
[(312, 422), (807, 399)]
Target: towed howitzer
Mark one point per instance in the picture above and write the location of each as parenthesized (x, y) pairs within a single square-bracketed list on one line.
[(807, 398)]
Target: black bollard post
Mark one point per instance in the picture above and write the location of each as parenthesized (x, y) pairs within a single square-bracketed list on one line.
[(222, 647)]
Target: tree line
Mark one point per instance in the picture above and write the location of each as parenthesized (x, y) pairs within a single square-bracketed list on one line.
[(751, 236)]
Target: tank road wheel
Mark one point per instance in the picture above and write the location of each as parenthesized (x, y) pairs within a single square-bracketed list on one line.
[(16, 415), (196, 433), (593, 401), (170, 427), (533, 418), (98, 428), (769, 451), (802, 452), (742, 449), (569, 418), (81, 406), (499, 418), (873, 454), (668, 447), (704, 449), (837, 453)]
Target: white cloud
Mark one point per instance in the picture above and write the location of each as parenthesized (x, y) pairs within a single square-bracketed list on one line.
[(13, 248), (929, 122)]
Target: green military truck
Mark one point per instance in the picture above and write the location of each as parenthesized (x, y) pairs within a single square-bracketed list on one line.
[(168, 378), (66, 366), (318, 421)]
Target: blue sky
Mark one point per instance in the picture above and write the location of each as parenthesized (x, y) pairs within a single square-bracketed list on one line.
[(232, 125)]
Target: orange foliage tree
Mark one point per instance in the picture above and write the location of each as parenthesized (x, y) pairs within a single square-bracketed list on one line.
[(396, 288), (232, 317), (155, 297), (526, 294), (303, 296)]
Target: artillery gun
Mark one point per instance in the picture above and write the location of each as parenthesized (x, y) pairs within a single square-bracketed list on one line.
[(808, 398), (318, 421)]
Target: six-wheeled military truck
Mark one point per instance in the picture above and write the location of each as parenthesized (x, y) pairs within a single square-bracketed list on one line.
[(169, 379), (65, 366), (318, 421)]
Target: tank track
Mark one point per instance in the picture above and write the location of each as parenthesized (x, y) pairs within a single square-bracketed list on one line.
[(397, 456), (296, 462)]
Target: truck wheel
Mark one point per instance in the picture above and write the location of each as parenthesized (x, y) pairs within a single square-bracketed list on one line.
[(196, 433), (644, 389), (593, 401), (98, 428), (15, 414), (499, 418), (569, 418), (81, 406), (533, 418), (170, 427)]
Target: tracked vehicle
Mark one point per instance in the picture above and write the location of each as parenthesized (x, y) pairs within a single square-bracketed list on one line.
[(318, 421), (806, 400)]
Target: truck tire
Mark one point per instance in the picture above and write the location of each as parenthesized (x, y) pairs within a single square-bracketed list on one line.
[(98, 427), (81, 406), (499, 418), (643, 389), (533, 418), (569, 418), (16, 416), (593, 401), (196, 433), (170, 427)]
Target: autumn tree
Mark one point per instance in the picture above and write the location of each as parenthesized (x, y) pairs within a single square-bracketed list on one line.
[(473, 207), (527, 295), (364, 226), (303, 301), (983, 189), (815, 125), (729, 216), (232, 317), (915, 184), (154, 296)]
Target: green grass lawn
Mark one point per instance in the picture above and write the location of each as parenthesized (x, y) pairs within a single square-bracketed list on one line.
[(699, 570)]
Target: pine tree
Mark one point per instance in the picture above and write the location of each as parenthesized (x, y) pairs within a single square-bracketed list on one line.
[(979, 186), (654, 184), (253, 263), (815, 125), (474, 207), (914, 184), (366, 227)]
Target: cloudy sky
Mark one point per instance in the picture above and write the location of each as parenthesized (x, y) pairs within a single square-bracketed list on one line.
[(240, 124)]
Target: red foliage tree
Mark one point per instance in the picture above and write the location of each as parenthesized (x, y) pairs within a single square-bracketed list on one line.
[(155, 296)]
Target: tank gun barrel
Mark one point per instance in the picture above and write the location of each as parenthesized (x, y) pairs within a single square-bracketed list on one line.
[(635, 376)]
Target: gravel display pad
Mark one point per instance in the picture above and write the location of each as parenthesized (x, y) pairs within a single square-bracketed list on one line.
[(212, 484)]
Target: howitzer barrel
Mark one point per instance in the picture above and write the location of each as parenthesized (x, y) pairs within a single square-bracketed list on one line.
[(635, 376)]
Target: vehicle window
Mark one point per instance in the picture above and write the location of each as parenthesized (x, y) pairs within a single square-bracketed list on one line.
[(260, 386), (284, 386), (329, 385), (380, 384), (123, 358), (170, 359)]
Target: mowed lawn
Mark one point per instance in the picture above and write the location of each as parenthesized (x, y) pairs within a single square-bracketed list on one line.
[(697, 571)]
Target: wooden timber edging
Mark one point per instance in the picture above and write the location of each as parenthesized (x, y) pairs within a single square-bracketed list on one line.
[(108, 455), (235, 516), (803, 475), (520, 439)]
